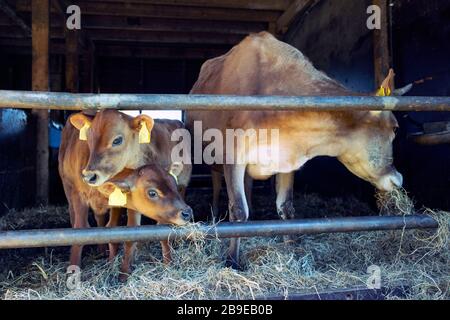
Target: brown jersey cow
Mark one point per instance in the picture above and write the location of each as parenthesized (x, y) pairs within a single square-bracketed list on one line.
[(98, 155), (262, 65)]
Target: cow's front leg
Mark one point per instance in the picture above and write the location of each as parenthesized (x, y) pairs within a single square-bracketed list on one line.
[(101, 222), (248, 185), (80, 220), (237, 205), (285, 198), (166, 251), (216, 177), (134, 219)]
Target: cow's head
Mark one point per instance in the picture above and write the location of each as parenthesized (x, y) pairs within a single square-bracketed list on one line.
[(113, 140), (368, 150), (152, 191)]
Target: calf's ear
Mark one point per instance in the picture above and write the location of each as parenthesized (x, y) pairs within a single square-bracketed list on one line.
[(125, 180), (79, 120)]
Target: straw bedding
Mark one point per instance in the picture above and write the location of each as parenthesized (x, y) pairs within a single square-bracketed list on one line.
[(417, 261)]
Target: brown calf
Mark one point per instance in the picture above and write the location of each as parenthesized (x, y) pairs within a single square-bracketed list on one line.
[(75, 155)]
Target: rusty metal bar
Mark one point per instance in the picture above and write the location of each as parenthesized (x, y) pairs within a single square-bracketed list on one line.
[(70, 101), (65, 237)]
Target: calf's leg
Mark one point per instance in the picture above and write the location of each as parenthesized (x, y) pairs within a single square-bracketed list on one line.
[(80, 220), (114, 217), (134, 219)]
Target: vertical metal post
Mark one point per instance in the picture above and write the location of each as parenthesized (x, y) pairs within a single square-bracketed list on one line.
[(381, 52)]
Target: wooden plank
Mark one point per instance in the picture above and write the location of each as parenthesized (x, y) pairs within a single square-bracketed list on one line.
[(167, 37), (381, 52), (166, 11), (156, 24), (12, 15), (159, 52), (291, 12), (280, 5), (162, 25), (23, 47), (87, 76), (40, 82)]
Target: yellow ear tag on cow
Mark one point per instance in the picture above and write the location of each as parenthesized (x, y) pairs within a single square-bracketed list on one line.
[(174, 176), (117, 198), (83, 131), (383, 92), (144, 133)]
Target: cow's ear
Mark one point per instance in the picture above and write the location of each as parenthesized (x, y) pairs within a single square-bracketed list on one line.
[(139, 120), (79, 120), (176, 168), (387, 86)]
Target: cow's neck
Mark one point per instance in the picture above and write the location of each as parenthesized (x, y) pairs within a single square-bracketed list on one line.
[(321, 133)]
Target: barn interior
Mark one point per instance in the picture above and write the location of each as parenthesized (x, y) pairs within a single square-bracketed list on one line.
[(159, 46)]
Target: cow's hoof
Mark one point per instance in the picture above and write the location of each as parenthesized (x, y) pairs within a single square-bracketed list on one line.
[(289, 240), (123, 277), (231, 263)]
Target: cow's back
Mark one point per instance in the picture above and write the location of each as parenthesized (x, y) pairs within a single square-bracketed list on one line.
[(259, 65)]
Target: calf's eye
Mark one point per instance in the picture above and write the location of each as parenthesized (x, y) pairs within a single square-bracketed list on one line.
[(117, 141), (152, 194)]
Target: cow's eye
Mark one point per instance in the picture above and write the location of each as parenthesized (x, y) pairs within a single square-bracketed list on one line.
[(152, 194), (117, 141)]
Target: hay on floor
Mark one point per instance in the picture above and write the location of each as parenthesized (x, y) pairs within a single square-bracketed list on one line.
[(417, 260)]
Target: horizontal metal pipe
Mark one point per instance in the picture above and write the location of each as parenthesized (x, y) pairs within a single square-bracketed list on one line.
[(65, 237), (80, 101)]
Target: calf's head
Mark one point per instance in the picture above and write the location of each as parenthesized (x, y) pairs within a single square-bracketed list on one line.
[(152, 191), (113, 140)]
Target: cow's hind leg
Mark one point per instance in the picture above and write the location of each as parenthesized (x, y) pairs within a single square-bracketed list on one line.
[(134, 219), (285, 198), (237, 205), (248, 183), (217, 186)]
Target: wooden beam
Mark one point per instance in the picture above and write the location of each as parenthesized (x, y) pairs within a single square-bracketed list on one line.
[(381, 54), (88, 69), (72, 61), (159, 52), (12, 15), (280, 5), (171, 25), (40, 82), (167, 37), (167, 11), (291, 12)]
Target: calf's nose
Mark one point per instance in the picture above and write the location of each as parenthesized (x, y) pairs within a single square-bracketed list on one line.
[(89, 177), (186, 214)]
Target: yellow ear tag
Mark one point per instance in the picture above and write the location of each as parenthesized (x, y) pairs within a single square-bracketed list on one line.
[(83, 131), (174, 176), (383, 92), (144, 133), (117, 198)]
